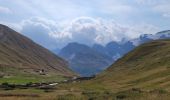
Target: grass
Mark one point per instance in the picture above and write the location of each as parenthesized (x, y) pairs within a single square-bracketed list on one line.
[(15, 75), (33, 79), (142, 74), (131, 94)]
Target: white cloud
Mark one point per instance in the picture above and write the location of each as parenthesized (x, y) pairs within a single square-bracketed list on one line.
[(144, 28), (84, 30), (88, 30), (46, 32), (5, 10), (40, 30)]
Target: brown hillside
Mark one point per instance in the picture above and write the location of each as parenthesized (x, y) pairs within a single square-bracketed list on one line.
[(18, 51)]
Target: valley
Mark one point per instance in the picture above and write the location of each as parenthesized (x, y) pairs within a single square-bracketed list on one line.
[(84, 49), (36, 73)]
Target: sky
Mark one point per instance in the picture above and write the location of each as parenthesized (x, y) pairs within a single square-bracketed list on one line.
[(55, 23)]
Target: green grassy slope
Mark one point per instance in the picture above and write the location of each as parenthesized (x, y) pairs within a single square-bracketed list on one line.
[(147, 67)]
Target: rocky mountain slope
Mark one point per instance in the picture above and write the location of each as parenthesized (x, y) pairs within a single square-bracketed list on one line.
[(85, 60)]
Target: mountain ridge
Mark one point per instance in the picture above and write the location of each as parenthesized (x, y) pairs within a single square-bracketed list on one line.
[(113, 50), (84, 59)]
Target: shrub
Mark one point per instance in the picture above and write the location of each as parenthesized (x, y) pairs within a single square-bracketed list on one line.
[(92, 98), (136, 90), (8, 86), (29, 84), (5, 84), (121, 96)]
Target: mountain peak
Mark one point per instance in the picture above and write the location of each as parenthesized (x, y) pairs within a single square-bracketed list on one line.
[(84, 59)]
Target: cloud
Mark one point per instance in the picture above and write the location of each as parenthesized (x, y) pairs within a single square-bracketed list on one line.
[(131, 19), (85, 30), (89, 30), (82, 30), (5, 10), (39, 30), (116, 32), (45, 32), (143, 28)]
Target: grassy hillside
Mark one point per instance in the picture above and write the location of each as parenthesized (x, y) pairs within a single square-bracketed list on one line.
[(23, 59), (148, 66)]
